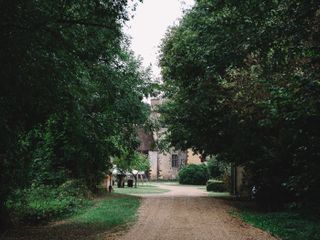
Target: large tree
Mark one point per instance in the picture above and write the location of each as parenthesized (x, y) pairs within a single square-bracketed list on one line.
[(70, 92), (242, 78)]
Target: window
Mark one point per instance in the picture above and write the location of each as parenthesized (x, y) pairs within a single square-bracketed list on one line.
[(175, 160)]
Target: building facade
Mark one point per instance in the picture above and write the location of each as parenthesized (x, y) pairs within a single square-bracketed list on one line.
[(164, 164)]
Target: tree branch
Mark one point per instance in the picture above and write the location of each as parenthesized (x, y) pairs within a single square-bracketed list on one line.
[(84, 23)]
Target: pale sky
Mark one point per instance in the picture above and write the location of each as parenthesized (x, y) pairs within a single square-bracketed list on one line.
[(149, 25)]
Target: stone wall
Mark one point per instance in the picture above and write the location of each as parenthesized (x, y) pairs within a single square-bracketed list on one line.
[(153, 157), (193, 158), (161, 163)]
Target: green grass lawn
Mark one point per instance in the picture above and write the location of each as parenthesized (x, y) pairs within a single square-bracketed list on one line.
[(286, 225), (170, 183), (108, 212), (141, 189), (104, 215)]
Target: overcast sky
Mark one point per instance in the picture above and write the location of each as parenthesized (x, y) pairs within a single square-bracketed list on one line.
[(149, 25)]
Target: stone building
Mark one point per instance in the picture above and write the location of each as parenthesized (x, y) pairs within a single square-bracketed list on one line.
[(193, 158), (164, 165)]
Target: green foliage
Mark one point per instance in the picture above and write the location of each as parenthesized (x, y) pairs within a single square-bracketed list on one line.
[(216, 186), (43, 203), (286, 225), (242, 78), (103, 214), (194, 174), (132, 160), (217, 168), (71, 92), (140, 162)]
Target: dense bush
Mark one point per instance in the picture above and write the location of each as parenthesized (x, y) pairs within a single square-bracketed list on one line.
[(216, 186), (43, 203), (217, 169), (194, 174)]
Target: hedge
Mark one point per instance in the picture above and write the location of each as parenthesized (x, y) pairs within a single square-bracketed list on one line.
[(194, 174), (216, 186)]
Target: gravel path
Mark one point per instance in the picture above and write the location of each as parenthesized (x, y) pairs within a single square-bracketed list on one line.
[(187, 213)]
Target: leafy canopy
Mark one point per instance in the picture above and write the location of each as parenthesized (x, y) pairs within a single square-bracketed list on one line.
[(70, 91), (242, 79)]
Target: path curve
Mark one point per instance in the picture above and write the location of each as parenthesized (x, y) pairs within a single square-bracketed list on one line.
[(185, 213)]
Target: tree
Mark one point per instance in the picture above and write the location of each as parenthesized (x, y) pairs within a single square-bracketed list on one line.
[(241, 78), (217, 169), (70, 92), (133, 162)]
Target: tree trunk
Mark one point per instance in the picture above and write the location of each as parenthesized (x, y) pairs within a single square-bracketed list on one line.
[(4, 218), (121, 181), (135, 180)]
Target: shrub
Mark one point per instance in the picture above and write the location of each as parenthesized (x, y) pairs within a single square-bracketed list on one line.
[(194, 174), (216, 186), (43, 203), (217, 168), (227, 180)]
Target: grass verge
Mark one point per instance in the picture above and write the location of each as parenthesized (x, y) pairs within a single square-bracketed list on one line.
[(286, 225), (142, 189), (106, 213), (110, 211)]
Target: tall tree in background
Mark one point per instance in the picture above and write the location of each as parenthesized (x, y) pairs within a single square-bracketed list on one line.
[(243, 82), (70, 92)]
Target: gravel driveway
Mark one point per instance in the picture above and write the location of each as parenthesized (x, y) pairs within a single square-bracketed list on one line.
[(187, 213)]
